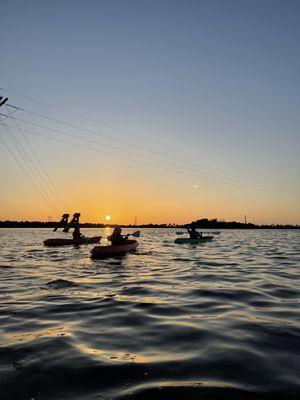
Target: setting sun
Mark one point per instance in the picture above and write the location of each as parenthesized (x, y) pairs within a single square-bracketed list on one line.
[(108, 217)]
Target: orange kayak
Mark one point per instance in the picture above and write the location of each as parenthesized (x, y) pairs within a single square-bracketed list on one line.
[(111, 251), (65, 242)]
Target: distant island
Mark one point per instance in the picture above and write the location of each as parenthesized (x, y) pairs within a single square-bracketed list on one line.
[(199, 224)]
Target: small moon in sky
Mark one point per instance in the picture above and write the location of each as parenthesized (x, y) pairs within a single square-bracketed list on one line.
[(195, 186)]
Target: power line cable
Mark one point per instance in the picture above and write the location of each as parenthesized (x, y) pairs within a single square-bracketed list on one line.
[(181, 171), (80, 116), (41, 170), (177, 159), (73, 126), (203, 174), (35, 173), (45, 198)]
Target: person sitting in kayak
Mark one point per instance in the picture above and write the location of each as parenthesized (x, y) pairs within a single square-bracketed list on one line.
[(76, 233), (116, 238), (193, 233)]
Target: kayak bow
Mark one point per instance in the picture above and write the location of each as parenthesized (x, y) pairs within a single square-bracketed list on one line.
[(111, 251), (65, 242)]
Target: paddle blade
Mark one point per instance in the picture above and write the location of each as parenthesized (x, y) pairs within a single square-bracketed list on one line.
[(136, 234)]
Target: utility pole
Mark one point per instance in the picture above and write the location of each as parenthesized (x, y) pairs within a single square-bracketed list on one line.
[(245, 219), (2, 102)]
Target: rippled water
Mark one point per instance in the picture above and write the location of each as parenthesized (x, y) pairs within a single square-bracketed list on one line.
[(216, 320)]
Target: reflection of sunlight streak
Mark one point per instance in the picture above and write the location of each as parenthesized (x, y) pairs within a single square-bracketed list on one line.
[(117, 356), (29, 336), (177, 383), (165, 386), (142, 299)]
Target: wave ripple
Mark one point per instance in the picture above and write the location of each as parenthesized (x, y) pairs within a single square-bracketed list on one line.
[(215, 321)]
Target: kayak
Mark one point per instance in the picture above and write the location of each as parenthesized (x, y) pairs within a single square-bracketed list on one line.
[(111, 251), (65, 242), (193, 241)]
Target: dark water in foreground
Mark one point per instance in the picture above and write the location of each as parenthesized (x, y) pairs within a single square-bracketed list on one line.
[(217, 320)]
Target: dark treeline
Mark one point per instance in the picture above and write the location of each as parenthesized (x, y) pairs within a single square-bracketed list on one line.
[(215, 224), (200, 224)]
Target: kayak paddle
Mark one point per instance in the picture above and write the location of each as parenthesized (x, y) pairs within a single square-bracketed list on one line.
[(135, 234)]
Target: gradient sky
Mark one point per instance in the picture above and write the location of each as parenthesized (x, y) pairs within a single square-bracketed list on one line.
[(209, 88)]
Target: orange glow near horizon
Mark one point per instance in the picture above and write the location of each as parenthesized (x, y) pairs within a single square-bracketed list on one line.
[(153, 196), (180, 208)]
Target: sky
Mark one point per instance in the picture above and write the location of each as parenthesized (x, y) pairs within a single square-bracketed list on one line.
[(168, 111)]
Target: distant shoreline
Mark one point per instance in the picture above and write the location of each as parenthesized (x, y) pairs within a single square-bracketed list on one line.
[(200, 224)]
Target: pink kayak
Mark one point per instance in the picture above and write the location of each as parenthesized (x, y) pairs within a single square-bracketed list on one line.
[(65, 242), (111, 251)]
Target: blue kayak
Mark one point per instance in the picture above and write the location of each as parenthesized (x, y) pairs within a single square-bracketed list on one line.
[(193, 241)]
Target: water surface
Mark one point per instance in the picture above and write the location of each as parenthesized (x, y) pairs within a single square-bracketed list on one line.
[(216, 320)]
